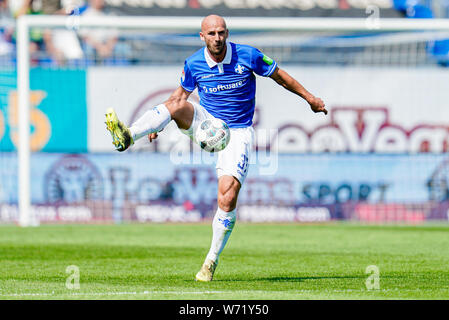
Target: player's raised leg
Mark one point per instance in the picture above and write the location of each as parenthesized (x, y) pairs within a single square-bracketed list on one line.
[(222, 224), (176, 108)]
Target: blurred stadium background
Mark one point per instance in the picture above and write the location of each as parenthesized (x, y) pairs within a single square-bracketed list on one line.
[(379, 156)]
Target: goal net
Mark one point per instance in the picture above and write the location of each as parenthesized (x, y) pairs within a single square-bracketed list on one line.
[(378, 156)]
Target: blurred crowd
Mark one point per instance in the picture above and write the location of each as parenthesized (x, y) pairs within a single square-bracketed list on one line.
[(87, 46), (57, 46)]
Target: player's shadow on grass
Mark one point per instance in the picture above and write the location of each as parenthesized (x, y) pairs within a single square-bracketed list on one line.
[(299, 279), (296, 279)]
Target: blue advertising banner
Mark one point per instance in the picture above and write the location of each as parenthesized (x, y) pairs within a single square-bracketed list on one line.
[(58, 113), (165, 187)]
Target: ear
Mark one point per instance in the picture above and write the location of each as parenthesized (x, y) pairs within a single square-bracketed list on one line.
[(202, 36)]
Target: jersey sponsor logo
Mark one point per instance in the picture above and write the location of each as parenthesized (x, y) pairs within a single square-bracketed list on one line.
[(222, 87), (267, 60), (239, 69)]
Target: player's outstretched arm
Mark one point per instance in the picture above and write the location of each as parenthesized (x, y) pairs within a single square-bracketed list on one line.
[(289, 83)]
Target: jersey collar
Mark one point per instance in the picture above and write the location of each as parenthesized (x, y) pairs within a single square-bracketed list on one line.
[(227, 59)]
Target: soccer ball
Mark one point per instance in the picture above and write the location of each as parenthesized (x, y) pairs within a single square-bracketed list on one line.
[(213, 135)]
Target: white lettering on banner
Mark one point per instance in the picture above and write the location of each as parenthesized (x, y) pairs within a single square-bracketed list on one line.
[(361, 130), (266, 214), (44, 213), (160, 213), (74, 213), (313, 214), (9, 213), (48, 213), (283, 214)]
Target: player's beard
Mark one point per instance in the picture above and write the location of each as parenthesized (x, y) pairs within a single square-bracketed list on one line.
[(217, 48)]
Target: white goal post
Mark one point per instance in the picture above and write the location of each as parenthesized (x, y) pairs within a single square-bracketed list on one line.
[(166, 24)]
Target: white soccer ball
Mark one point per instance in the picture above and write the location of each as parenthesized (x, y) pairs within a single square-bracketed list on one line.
[(213, 135)]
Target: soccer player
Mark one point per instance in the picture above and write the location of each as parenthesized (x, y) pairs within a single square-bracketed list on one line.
[(223, 73)]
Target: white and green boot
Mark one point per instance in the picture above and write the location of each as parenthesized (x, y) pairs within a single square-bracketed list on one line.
[(121, 136)]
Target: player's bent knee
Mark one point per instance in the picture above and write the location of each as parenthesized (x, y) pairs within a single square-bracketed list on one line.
[(181, 111), (178, 106), (174, 106), (226, 206)]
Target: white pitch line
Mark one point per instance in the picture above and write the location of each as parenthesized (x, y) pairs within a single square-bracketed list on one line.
[(397, 290), (37, 294)]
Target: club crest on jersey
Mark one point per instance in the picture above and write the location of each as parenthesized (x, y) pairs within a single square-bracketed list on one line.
[(239, 69)]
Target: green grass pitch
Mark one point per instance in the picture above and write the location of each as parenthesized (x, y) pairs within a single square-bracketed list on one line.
[(261, 261)]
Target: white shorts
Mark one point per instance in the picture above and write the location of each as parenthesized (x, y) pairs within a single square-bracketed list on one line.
[(234, 159)]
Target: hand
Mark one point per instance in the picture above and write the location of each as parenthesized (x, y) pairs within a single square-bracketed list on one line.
[(317, 105), (152, 136)]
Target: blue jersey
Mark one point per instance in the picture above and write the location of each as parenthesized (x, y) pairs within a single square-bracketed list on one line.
[(227, 89)]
